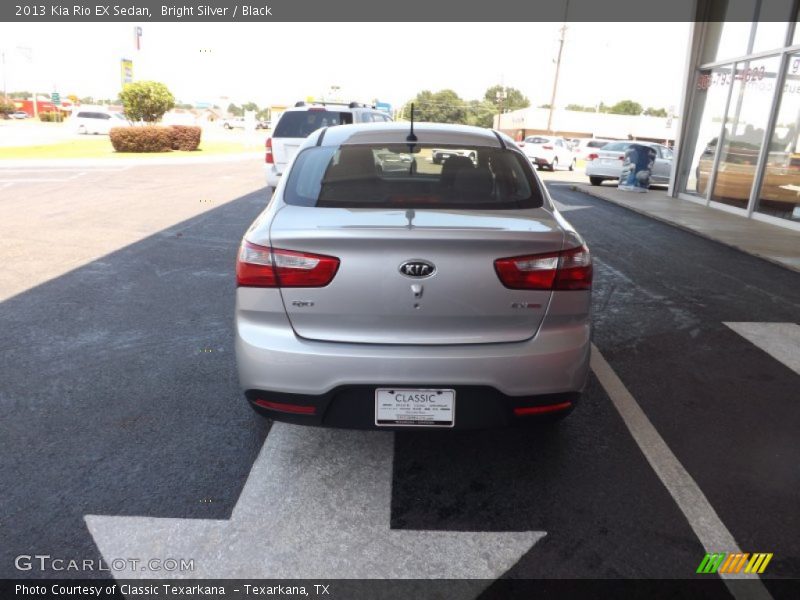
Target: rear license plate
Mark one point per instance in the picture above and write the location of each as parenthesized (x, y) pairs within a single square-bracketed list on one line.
[(399, 407)]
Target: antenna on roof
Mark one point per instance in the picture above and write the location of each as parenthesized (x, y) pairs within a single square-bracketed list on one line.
[(411, 137)]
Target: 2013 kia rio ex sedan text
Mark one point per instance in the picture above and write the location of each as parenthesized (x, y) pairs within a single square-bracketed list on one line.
[(379, 289)]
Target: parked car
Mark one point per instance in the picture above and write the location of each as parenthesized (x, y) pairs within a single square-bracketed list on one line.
[(234, 123), (547, 151), (780, 187), (606, 162), (20, 114), (263, 124), (586, 146), (297, 122), (96, 121), (454, 296), (439, 155)]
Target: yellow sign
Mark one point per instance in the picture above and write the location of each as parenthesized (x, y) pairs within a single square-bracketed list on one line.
[(126, 71)]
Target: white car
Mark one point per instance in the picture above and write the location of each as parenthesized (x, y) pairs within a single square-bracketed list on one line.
[(548, 151), (234, 123), (96, 121), (606, 163), (586, 146), (298, 122)]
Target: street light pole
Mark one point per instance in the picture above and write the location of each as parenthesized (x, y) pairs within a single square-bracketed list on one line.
[(558, 68)]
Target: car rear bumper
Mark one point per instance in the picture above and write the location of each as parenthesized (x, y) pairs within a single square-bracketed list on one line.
[(607, 172), (272, 176), (272, 359), (353, 406)]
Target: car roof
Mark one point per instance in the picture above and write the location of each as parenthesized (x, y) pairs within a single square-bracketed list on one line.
[(396, 133)]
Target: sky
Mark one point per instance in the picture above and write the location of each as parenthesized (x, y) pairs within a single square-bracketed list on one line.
[(280, 63)]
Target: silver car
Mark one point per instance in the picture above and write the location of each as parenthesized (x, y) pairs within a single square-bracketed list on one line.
[(606, 162), (432, 296)]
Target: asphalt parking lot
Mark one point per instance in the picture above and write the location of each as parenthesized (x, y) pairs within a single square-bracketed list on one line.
[(125, 433)]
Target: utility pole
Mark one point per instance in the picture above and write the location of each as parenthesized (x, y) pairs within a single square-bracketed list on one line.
[(500, 96), (558, 68)]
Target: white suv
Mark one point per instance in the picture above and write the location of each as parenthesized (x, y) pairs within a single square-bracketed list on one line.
[(298, 122)]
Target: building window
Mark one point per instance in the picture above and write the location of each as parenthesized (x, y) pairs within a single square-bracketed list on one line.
[(710, 94), (743, 134), (779, 195)]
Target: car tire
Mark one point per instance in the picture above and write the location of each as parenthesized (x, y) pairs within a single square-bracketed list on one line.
[(572, 165), (554, 164), (596, 180)]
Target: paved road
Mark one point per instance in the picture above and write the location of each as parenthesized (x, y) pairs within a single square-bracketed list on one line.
[(119, 394)]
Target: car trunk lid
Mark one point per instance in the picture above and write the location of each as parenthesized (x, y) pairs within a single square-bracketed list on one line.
[(371, 301)]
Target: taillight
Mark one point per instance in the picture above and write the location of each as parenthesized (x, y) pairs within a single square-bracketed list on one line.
[(565, 270), (268, 157), (547, 147), (262, 266), (621, 157), (592, 156)]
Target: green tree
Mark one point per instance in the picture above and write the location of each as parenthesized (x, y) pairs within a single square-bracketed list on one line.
[(250, 106), (443, 106), (580, 108), (146, 100), (514, 98), (544, 106), (626, 107), (481, 113), (235, 110), (6, 108), (655, 112)]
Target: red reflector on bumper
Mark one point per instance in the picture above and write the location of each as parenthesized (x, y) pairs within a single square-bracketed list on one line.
[(287, 408), (524, 411)]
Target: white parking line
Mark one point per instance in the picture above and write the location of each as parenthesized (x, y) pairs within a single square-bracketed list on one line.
[(780, 340), (702, 517)]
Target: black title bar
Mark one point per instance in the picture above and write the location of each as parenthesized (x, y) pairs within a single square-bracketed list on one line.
[(141, 11)]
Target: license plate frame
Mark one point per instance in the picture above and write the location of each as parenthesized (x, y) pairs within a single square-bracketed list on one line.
[(426, 410)]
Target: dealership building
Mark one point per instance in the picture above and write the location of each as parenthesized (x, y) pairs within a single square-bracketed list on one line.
[(737, 135), (738, 142)]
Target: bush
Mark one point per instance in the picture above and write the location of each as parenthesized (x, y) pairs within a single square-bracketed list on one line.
[(141, 139), (51, 117), (185, 137)]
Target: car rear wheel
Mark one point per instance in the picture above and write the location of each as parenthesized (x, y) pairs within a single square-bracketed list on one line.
[(554, 164), (595, 180)]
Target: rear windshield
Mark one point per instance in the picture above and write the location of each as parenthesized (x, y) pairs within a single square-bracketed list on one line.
[(302, 123), (596, 143), (617, 146), (380, 176), (536, 140)]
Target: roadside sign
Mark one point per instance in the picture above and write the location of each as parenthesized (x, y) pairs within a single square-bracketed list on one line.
[(126, 70), (55, 97)]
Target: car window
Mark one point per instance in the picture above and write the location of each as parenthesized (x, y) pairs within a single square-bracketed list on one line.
[(390, 176), (536, 140), (300, 124), (596, 143), (665, 152), (617, 146)]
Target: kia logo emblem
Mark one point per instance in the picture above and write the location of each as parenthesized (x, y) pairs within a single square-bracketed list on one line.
[(417, 268)]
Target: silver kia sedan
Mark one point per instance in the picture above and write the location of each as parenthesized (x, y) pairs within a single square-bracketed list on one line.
[(449, 295)]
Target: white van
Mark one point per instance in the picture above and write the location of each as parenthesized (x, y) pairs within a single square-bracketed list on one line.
[(96, 121)]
